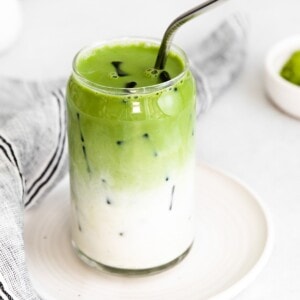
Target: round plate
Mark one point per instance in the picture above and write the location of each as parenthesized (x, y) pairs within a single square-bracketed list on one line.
[(232, 245)]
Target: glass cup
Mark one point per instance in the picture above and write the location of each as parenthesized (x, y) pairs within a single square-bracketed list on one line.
[(132, 160)]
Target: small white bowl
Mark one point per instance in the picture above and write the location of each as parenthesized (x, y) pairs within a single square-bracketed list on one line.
[(283, 93)]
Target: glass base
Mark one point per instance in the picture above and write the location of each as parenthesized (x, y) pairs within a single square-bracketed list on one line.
[(129, 272)]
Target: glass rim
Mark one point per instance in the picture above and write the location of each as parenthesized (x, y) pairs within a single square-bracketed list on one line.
[(130, 91)]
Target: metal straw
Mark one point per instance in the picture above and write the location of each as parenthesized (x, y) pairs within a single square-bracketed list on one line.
[(169, 33)]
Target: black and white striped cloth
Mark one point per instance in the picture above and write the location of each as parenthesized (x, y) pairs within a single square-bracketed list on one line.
[(32, 161), (33, 143)]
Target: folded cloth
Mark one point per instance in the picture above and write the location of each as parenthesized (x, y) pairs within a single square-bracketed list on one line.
[(32, 161), (33, 143), (217, 60)]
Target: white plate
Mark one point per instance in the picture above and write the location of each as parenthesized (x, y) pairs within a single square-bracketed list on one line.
[(232, 245)]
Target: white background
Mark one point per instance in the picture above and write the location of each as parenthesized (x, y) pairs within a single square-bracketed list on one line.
[(243, 133)]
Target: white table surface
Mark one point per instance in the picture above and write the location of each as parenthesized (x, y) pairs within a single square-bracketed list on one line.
[(243, 133)]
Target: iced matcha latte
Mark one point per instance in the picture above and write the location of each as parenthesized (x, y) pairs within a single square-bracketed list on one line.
[(131, 144)]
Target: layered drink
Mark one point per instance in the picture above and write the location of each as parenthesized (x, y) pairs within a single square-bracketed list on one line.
[(132, 149)]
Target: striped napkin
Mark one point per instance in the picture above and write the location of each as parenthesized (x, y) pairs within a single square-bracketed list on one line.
[(32, 161), (33, 143)]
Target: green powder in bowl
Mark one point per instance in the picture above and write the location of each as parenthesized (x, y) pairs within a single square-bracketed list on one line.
[(291, 69)]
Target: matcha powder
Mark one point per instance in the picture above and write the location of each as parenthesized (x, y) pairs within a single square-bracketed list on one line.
[(291, 70)]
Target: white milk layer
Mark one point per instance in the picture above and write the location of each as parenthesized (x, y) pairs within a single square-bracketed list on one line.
[(134, 229)]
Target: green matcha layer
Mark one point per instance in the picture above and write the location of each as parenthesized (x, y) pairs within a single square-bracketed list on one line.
[(126, 65), (133, 137)]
